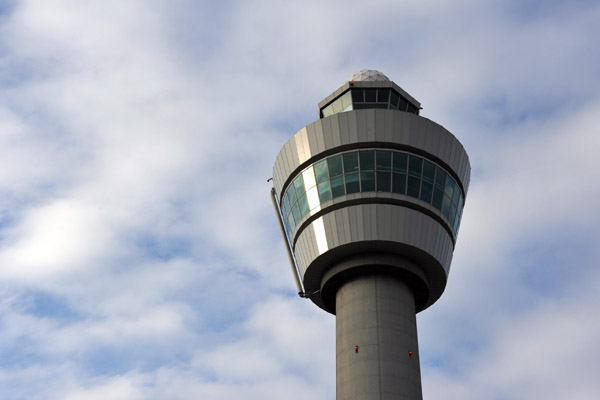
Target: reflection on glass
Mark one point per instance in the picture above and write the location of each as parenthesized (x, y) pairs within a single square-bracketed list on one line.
[(350, 162), (337, 186), (367, 160), (335, 165), (369, 171), (367, 181), (352, 185), (383, 181)]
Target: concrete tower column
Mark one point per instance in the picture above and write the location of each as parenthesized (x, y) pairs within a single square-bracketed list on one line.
[(377, 314)]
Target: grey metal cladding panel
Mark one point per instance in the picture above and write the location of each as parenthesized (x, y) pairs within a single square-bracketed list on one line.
[(361, 125), (388, 127), (318, 129), (333, 239), (370, 124), (304, 147), (344, 129), (352, 223), (340, 229), (327, 135), (312, 140), (353, 127), (335, 130), (360, 223)]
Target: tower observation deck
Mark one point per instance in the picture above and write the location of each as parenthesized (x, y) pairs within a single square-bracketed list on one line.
[(369, 199)]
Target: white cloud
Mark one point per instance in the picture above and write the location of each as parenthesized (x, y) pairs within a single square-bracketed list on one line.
[(135, 143)]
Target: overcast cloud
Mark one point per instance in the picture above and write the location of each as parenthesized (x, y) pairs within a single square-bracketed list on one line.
[(139, 254)]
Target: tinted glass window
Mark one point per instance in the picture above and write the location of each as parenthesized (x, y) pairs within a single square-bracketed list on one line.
[(367, 160), (383, 95), (291, 193), (438, 197), (335, 165), (415, 165), (303, 204), (384, 160), (350, 162), (399, 183), (428, 171), (337, 186), (299, 185), (384, 181), (440, 178), (449, 187), (357, 96), (296, 212), (426, 191), (352, 184), (394, 99), (367, 181), (400, 162), (321, 171), (370, 95), (455, 195), (413, 186), (402, 104), (324, 191)]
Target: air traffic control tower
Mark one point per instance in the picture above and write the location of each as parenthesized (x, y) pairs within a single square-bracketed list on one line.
[(369, 199)]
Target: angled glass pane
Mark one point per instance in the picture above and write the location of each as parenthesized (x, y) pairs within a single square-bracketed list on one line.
[(428, 171), (400, 160), (415, 165), (367, 181), (383, 160), (440, 178), (413, 186), (367, 160), (352, 184), (449, 187), (457, 222), (337, 186), (412, 109), (327, 111), (394, 99), (370, 95), (321, 171), (337, 106), (383, 95), (299, 185), (291, 222), (399, 183), (324, 191), (335, 165), (358, 96), (460, 202), (303, 205), (384, 183), (350, 162), (438, 197), (402, 104), (426, 192), (346, 100)]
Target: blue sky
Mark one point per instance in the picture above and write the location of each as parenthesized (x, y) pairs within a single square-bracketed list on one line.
[(139, 254)]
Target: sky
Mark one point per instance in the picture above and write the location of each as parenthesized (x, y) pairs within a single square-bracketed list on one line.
[(140, 257)]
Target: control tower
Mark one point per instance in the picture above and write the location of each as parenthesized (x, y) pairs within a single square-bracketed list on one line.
[(369, 199)]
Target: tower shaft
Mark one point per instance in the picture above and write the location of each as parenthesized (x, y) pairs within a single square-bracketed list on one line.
[(376, 340)]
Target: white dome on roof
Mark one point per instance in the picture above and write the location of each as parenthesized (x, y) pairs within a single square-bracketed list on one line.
[(367, 75)]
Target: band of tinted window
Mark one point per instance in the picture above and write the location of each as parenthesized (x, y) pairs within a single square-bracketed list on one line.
[(359, 98), (373, 170)]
